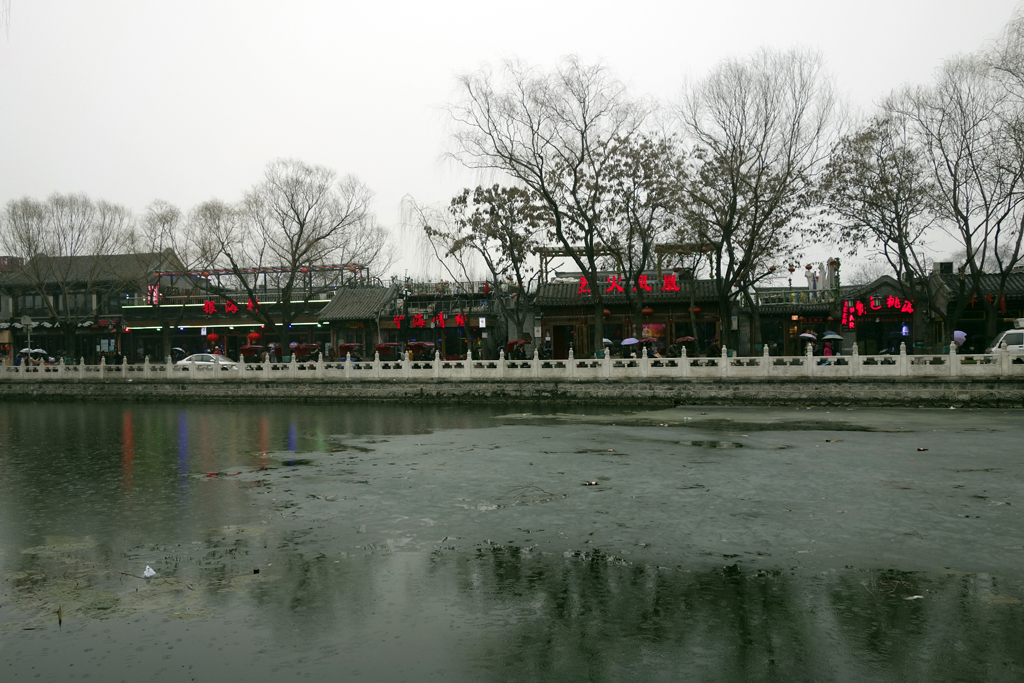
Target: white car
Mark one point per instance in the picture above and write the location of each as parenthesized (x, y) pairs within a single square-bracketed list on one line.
[(1014, 340), (205, 361)]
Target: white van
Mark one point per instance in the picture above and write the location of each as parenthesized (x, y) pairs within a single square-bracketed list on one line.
[(1014, 339)]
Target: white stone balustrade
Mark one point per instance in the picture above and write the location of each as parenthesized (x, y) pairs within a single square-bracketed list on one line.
[(998, 364)]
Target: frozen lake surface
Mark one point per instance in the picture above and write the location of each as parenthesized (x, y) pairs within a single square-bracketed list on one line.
[(455, 543)]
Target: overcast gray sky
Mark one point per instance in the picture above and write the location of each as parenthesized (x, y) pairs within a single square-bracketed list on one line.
[(134, 100)]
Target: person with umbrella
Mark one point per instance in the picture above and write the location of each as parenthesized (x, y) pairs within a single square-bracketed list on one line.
[(959, 339), (810, 338), (832, 341), (628, 341)]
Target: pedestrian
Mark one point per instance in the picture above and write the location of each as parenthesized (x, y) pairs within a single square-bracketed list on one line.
[(714, 350), (828, 349)]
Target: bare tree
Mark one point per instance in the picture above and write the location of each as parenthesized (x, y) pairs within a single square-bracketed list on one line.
[(879, 193), (760, 129), (501, 226), (67, 243), (550, 132), (970, 128), (185, 246), (641, 201), (299, 217)]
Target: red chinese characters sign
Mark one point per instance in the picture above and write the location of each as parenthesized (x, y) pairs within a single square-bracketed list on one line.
[(209, 307), (852, 310), (616, 284)]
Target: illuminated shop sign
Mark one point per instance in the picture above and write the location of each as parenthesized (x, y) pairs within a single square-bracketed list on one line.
[(876, 305)]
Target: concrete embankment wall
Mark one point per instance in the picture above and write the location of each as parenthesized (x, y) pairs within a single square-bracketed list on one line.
[(1007, 393)]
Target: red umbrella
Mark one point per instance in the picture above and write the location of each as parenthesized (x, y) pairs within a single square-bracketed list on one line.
[(420, 345), (649, 340), (685, 339)]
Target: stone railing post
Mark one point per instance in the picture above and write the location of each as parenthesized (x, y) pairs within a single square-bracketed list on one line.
[(606, 364), (856, 362), (266, 365), (953, 361), (192, 374), (535, 365), (320, 365), (168, 367), (81, 367), (904, 362), (437, 364), (766, 363), (376, 364), (146, 370), (809, 361), (293, 366), (124, 368), (570, 364), (103, 366), (501, 363), (723, 369), (348, 365), (242, 365), (469, 363), (406, 367), (684, 363), (645, 363), (1004, 359)]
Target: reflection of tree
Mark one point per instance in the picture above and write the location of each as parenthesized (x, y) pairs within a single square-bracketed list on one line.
[(596, 618)]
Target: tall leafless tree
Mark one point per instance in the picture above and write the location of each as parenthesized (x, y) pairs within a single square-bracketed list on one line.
[(298, 217), (550, 132), (66, 243), (163, 228), (971, 129), (878, 193), (760, 129)]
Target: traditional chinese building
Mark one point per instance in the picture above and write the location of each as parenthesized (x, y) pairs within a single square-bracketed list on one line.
[(973, 319), (566, 311), (875, 316), (91, 294), (454, 316), (361, 315)]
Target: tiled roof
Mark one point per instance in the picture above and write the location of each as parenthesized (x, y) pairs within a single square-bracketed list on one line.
[(989, 284), (565, 294), (95, 269), (358, 303)]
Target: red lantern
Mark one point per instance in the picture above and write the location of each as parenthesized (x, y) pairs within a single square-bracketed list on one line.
[(791, 269), (253, 337), (808, 266), (695, 309), (607, 312), (771, 269), (213, 337), (647, 311)]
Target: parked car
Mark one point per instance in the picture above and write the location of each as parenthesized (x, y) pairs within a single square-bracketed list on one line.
[(205, 361), (1014, 339)]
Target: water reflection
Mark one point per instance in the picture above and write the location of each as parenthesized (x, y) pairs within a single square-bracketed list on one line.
[(90, 494)]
